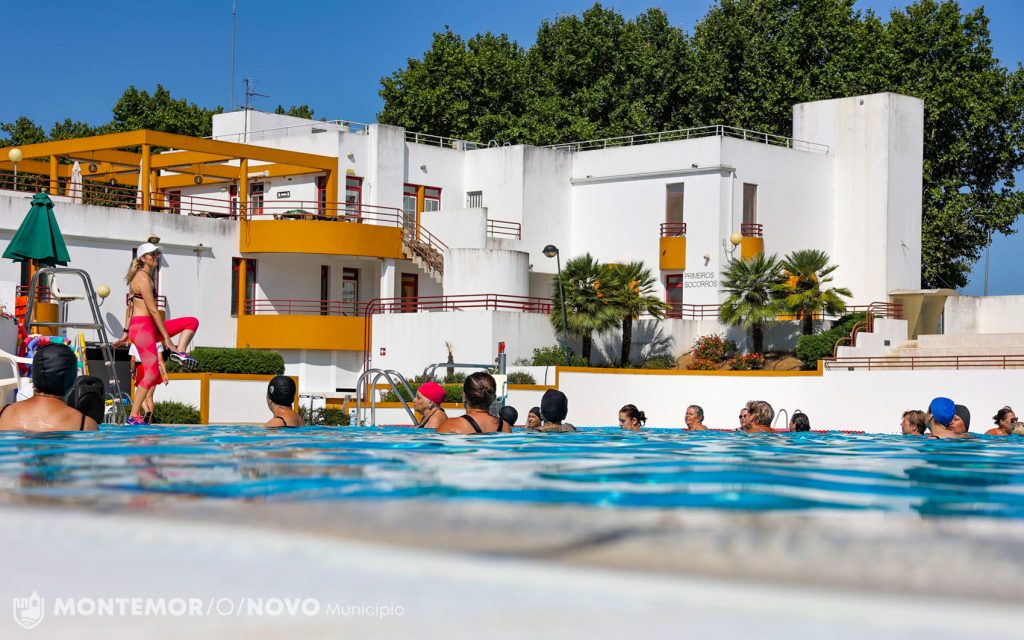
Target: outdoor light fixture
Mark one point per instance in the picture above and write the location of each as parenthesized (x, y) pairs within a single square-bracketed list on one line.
[(93, 168), (198, 179), (15, 155), (694, 165), (736, 239), (551, 251), (423, 168)]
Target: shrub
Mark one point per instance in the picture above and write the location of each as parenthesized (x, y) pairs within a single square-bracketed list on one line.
[(713, 347), (702, 364), (456, 378), (175, 413), (810, 349), (660, 362), (555, 356), (748, 362), (521, 377), (225, 360), (324, 416)]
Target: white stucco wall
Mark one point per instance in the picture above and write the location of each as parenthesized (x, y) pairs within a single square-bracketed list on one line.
[(983, 314), (458, 228), (479, 271)]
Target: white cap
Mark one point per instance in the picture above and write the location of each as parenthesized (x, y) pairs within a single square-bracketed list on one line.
[(147, 247)]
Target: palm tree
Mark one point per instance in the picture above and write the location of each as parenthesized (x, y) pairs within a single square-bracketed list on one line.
[(586, 308), (804, 292), (632, 294), (753, 298)]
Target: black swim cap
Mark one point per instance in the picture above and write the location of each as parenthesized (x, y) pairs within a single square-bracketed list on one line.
[(281, 391), (554, 406), (509, 414), (54, 369)]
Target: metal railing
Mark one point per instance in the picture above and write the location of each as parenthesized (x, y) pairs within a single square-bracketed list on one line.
[(484, 301), (283, 307), (505, 228), (320, 126), (441, 141), (684, 311), (897, 362), (691, 133), (673, 229), (752, 230), (893, 310)]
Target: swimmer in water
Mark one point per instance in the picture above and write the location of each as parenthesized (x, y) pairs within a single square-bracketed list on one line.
[(631, 418), (280, 400), (427, 403), (54, 369)]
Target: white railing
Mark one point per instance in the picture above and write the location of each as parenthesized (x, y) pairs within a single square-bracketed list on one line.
[(694, 132), (441, 141), (319, 126)]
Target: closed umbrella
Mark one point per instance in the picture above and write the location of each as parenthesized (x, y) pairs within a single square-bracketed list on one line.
[(75, 186), (39, 238)]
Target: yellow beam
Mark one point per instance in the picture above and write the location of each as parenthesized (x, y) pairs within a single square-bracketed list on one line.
[(185, 158), (35, 166), (178, 181), (236, 150), (77, 145), (127, 158)]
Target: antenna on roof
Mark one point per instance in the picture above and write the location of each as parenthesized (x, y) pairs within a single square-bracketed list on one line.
[(234, 14), (250, 93)]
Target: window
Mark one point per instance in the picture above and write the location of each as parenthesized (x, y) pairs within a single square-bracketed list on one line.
[(674, 294), (409, 200), (256, 198), (233, 197), (353, 196), (749, 203), (321, 194), (174, 201), (250, 282), (674, 203), (431, 199), (349, 290), (410, 291), (325, 288), (474, 199)]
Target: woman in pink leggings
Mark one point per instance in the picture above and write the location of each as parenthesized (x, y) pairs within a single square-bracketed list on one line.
[(145, 324)]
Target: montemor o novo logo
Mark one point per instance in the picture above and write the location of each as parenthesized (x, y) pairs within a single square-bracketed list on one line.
[(29, 612)]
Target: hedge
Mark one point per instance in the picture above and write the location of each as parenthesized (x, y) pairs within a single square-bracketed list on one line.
[(810, 349), (175, 413), (555, 356), (225, 360), (324, 416), (521, 377)]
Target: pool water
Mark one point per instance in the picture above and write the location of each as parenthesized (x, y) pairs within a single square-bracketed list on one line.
[(604, 468)]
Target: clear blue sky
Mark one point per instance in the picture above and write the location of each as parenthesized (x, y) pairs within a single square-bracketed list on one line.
[(74, 59)]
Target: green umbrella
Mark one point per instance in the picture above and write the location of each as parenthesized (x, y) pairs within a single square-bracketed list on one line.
[(39, 238)]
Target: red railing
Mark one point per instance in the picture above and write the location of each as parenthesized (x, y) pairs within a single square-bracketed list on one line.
[(892, 310), (282, 307), (692, 311), (484, 301), (43, 294), (424, 244), (673, 229), (329, 211), (752, 230), (880, 363), (505, 228)]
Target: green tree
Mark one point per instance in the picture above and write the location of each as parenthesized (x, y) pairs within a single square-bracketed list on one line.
[(160, 111), (804, 291), (20, 132), (587, 308), (69, 129), (474, 90), (752, 295), (296, 111), (631, 293)]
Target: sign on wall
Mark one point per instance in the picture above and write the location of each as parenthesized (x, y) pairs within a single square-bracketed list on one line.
[(700, 280)]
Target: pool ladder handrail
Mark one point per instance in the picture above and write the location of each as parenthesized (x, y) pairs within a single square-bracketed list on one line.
[(778, 415), (362, 389)]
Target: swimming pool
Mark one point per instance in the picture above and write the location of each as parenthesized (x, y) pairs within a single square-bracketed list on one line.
[(603, 468)]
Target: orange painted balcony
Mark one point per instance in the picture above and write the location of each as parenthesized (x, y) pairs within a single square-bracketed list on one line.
[(331, 325), (672, 246), (753, 239), (348, 231)]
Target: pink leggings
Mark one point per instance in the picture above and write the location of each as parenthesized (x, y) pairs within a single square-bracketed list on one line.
[(143, 334)]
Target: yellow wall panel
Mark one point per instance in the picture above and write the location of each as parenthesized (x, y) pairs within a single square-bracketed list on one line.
[(320, 236), (333, 333), (673, 254)]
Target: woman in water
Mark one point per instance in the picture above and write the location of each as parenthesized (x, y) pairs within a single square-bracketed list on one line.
[(533, 419), (280, 400), (694, 418), (145, 325), (631, 418), (427, 403), (1004, 418), (478, 394)]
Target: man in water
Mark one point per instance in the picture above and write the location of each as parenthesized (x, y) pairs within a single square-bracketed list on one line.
[(54, 369), (759, 417), (694, 418)]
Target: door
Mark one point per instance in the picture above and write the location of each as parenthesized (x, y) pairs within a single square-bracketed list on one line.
[(410, 292), (674, 295), (256, 198), (673, 210), (350, 291), (325, 289)]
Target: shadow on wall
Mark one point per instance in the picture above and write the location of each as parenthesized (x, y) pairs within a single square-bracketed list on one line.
[(779, 336), (649, 339)]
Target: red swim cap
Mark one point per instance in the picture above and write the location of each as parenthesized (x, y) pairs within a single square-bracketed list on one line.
[(432, 391)]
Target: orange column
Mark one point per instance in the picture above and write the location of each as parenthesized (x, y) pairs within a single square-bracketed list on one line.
[(331, 208), (53, 175), (242, 277), (419, 208), (243, 188), (145, 177)]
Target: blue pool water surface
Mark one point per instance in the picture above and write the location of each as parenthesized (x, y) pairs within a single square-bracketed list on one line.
[(604, 468)]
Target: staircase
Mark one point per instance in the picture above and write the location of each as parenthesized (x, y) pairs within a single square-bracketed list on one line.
[(977, 344), (423, 248)]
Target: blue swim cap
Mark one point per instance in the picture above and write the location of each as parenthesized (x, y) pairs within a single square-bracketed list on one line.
[(942, 409)]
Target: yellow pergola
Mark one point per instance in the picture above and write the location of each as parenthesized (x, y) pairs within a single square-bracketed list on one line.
[(113, 157)]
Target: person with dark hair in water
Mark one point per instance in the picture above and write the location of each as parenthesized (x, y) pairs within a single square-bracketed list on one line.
[(534, 419), (54, 369), (631, 418), (509, 415), (554, 406), (478, 394), (1004, 418), (799, 421), (280, 400), (961, 422)]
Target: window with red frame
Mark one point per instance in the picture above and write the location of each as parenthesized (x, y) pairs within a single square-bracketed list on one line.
[(674, 294), (353, 196)]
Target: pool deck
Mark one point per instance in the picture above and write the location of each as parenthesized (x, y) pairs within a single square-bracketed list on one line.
[(474, 569)]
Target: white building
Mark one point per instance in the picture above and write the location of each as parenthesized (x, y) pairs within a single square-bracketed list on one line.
[(434, 240)]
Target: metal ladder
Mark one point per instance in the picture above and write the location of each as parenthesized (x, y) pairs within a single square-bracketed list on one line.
[(362, 389), (96, 325)]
